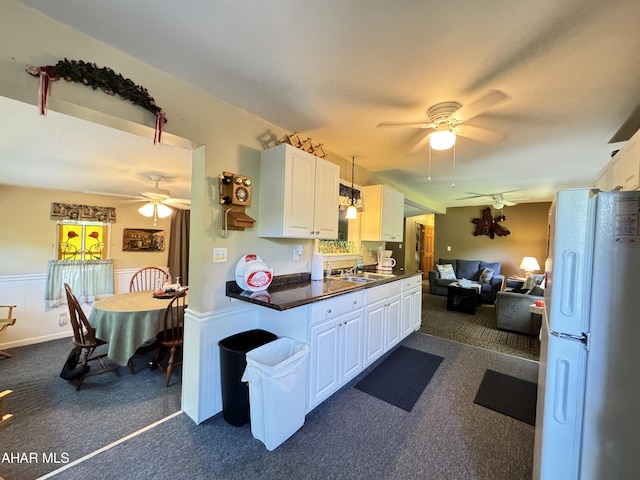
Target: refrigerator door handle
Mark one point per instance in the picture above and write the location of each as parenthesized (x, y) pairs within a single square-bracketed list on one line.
[(584, 338)]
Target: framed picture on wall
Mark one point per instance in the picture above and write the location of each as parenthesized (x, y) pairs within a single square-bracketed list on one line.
[(142, 240)]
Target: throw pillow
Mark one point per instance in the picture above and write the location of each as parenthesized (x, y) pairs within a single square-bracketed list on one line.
[(446, 271), (529, 283), (486, 275)]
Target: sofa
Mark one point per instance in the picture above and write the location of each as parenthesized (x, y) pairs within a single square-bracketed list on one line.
[(485, 273), (512, 306)]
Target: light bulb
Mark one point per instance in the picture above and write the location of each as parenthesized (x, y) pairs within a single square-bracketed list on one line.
[(352, 213), (146, 210), (164, 211), (442, 140)]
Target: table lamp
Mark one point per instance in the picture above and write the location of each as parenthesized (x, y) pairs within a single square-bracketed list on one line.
[(529, 265)]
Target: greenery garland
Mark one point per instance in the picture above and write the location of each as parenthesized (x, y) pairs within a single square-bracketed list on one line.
[(104, 78)]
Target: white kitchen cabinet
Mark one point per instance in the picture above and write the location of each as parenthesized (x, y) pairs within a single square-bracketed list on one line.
[(336, 346), (629, 165), (602, 179), (411, 304), (382, 320), (298, 195), (622, 172), (383, 216)]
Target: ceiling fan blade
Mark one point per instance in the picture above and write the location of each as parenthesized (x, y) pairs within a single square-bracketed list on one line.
[(508, 203), (421, 145), (480, 134), (110, 194), (406, 124), (176, 201), (467, 112)]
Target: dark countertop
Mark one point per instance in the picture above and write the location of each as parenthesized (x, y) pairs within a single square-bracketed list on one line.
[(290, 291)]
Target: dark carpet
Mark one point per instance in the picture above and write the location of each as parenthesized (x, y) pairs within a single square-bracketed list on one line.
[(55, 421), (479, 330), (508, 395), (401, 378)]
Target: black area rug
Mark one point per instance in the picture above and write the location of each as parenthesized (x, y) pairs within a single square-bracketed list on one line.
[(508, 395), (401, 378)]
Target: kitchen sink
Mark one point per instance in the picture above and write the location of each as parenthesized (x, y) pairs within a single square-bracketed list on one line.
[(358, 279), (365, 277)]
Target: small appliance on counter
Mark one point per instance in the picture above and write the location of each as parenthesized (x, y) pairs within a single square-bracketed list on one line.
[(252, 274), (385, 262)]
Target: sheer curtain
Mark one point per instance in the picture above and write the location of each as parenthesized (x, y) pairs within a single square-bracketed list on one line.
[(178, 256), (90, 281)]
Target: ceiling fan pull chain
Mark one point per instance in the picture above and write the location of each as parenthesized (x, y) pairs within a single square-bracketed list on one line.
[(453, 183)]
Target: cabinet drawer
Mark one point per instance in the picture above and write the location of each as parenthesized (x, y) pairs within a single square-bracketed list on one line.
[(333, 307), (383, 291), (411, 282)]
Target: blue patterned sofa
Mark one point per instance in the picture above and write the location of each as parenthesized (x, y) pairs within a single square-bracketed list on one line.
[(471, 270)]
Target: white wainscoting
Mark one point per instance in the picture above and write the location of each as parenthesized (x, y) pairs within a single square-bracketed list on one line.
[(201, 380), (35, 323)]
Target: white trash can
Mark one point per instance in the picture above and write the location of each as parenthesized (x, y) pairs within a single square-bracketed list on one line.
[(277, 376)]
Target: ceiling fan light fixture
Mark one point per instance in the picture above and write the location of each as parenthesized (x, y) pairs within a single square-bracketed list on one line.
[(442, 140), (498, 205), (146, 210), (163, 210)]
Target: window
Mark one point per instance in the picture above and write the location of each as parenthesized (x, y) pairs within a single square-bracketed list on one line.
[(82, 240)]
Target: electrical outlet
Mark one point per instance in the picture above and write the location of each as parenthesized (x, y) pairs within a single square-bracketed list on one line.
[(448, 248), (297, 251), (219, 255), (62, 319)]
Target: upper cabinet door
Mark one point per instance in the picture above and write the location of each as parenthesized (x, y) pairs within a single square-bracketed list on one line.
[(383, 218), (326, 200), (298, 201), (298, 195)]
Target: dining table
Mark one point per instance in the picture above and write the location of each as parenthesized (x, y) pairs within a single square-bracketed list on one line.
[(127, 321)]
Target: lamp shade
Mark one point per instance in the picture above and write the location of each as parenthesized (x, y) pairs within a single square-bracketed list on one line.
[(442, 140), (352, 213), (529, 265), (163, 210), (146, 210)]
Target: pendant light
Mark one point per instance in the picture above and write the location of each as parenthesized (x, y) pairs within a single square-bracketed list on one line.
[(352, 213)]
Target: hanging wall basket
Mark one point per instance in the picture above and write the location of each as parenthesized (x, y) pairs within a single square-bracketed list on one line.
[(104, 78)]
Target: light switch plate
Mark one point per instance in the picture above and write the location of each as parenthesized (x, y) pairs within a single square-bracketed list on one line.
[(219, 255)]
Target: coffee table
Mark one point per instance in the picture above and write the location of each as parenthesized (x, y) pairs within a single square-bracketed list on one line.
[(463, 299)]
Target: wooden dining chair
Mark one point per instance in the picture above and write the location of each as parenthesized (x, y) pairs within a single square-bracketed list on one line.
[(172, 334), (146, 279), (6, 322), (84, 339)]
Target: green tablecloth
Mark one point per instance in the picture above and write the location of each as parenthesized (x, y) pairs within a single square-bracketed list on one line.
[(127, 321)]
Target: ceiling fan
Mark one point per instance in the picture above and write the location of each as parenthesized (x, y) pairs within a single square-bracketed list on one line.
[(447, 120), (498, 199), (159, 199)]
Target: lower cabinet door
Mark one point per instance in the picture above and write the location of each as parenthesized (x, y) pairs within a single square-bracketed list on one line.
[(325, 356), (374, 331), (352, 342), (393, 321)]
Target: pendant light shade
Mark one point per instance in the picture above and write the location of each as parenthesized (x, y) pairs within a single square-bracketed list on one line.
[(352, 213)]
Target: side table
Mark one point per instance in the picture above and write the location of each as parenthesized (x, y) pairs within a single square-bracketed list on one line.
[(535, 310)]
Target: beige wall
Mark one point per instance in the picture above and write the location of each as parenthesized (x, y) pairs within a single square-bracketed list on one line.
[(223, 138), (28, 240), (527, 223)]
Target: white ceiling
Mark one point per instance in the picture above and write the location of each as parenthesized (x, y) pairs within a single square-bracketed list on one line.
[(335, 69)]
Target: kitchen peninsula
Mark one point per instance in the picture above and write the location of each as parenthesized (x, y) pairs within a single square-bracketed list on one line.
[(348, 321)]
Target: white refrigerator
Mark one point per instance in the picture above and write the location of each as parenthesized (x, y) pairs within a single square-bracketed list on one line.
[(588, 410)]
